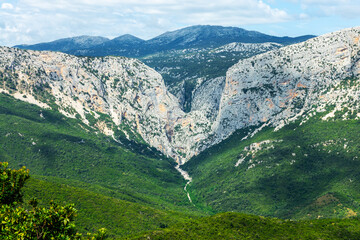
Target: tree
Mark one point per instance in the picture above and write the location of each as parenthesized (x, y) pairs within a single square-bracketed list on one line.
[(11, 182), (16, 222)]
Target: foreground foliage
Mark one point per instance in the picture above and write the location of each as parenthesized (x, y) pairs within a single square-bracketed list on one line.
[(11, 183), (17, 222)]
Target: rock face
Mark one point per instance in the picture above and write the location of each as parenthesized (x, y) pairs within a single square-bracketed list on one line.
[(281, 85), (207, 97), (248, 47), (116, 93), (132, 95), (186, 70)]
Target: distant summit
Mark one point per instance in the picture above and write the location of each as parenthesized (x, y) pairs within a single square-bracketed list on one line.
[(200, 36), (127, 38), (67, 45), (213, 36), (124, 45)]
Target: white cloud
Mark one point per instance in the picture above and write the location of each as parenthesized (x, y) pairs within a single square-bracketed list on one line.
[(303, 16), (43, 20), (322, 8), (7, 6)]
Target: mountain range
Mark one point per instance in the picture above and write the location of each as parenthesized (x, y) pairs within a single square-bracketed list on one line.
[(274, 134), (201, 36)]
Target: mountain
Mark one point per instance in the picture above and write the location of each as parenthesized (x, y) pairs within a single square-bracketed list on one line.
[(186, 57), (125, 45), (270, 89), (67, 45), (277, 135), (281, 85), (191, 37), (110, 93), (205, 36)]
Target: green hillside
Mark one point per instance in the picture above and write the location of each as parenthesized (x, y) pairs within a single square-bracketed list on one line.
[(242, 226), (72, 162), (302, 171), (95, 210), (51, 145), (299, 172)]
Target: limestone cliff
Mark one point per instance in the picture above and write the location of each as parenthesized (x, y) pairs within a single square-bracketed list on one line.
[(130, 93), (282, 85), (116, 93)]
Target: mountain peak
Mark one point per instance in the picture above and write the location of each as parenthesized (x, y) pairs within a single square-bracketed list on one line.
[(128, 38), (204, 36)]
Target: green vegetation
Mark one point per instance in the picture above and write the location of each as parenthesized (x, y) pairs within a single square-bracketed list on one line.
[(301, 171), (17, 222), (100, 176), (51, 145), (11, 182), (99, 207), (242, 226)]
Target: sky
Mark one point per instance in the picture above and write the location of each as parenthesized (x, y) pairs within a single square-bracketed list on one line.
[(34, 21)]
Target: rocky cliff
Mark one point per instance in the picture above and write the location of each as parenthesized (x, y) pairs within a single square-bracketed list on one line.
[(116, 93), (282, 85), (130, 93)]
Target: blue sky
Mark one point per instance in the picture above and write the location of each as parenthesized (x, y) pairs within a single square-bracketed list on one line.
[(33, 21)]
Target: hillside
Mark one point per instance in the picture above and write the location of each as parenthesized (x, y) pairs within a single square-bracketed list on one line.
[(276, 136), (277, 87), (293, 152), (301, 171), (50, 144), (241, 226), (101, 207), (120, 97)]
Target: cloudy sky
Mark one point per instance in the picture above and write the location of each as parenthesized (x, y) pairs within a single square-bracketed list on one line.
[(33, 21)]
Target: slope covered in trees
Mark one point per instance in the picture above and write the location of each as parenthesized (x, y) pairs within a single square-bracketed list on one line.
[(125, 187)]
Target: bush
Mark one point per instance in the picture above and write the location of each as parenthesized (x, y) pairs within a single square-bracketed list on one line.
[(16, 222), (11, 181)]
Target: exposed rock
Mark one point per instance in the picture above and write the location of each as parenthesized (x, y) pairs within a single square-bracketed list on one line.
[(270, 89), (207, 97), (125, 89), (282, 85)]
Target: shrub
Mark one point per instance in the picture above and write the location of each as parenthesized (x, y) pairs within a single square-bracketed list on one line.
[(17, 222)]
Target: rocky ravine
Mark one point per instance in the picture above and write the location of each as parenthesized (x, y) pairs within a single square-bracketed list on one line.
[(269, 89), (132, 94)]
